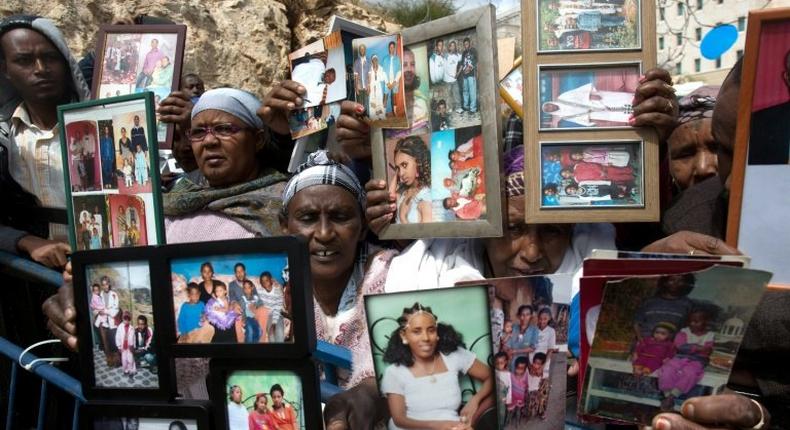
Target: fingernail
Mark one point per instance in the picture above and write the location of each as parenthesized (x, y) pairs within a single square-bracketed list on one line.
[(302, 89), (360, 108), (642, 79), (392, 207), (631, 121), (633, 101), (299, 100), (688, 410), (291, 106), (663, 424)]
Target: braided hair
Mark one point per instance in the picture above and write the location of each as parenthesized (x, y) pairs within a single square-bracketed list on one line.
[(398, 353)]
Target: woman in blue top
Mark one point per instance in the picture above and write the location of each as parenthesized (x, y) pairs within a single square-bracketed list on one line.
[(107, 159), (413, 166)]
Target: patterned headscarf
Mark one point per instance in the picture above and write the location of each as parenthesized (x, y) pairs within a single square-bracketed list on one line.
[(514, 169), (319, 169), (697, 105)]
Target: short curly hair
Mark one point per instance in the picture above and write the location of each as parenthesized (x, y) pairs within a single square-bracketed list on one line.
[(415, 147), (398, 353)]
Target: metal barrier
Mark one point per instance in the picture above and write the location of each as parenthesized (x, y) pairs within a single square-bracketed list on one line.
[(331, 356)]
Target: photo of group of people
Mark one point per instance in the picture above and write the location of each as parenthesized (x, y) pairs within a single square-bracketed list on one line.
[(134, 423), (232, 299), (122, 323), (379, 68), (588, 24), (666, 339), (110, 176), (586, 97), (304, 122), (529, 331), (436, 166), (579, 174), (430, 342), (264, 399)]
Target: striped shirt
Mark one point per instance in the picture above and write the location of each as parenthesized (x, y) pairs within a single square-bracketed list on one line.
[(273, 300)]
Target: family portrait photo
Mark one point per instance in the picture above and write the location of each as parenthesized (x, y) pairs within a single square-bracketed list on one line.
[(430, 342), (586, 97), (591, 174), (571, 25), (304, 122), (122, 325), (136, 62), (109, 173), (667, 338), (134, 423), (232, 299), (321, 68), (458, 182), (453, 71), (379, 69), (264, 399)]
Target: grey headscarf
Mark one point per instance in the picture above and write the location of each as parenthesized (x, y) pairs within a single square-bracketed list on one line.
[(319, 169), (238, 103)]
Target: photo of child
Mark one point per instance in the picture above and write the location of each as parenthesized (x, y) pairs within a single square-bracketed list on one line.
[(270, 399), (123, 325), (83, 156), (231, 299), (90, 216), (666, 339), (603, 174), (458, 178)]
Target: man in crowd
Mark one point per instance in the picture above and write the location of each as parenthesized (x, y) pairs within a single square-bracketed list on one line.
[(193, 86)]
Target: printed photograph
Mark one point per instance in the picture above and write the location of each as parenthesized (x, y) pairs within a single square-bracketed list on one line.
[(513, 87), (134, 423), (586, 97), (379, 68), (131, 158), (107, 150), (663, 339), (416, 91), (409, 176), (321, 68), (264, 399), (130, 217), (453, 73), (232, 299), (458, 189), (529, 319), (93, 228), (304, 122), (570, 25), (591, 174), (83, 156), (136, 62), (123, 326), (429, 342)]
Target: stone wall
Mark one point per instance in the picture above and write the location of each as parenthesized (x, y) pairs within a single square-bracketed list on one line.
[(242, 43)]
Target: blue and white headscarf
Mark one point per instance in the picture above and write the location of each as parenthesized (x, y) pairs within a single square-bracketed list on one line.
[(319, 169)]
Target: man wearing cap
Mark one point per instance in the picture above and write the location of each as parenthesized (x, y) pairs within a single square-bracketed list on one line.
[(37, 73)]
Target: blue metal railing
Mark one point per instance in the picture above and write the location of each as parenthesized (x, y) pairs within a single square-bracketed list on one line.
[(331, 356)]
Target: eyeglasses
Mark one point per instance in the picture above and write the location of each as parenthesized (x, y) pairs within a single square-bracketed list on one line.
[(197, 134)]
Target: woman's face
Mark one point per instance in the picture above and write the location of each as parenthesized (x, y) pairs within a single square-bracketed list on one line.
[(693, 153), (277, 399), (543, 320), (407, 169), (206, 273), (329, 218), (229, 160), (527, 249), (421, 335)]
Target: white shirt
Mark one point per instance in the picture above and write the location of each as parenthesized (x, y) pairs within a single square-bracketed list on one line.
[(450, 65), (436, 67), (309, 74), (237, 417)]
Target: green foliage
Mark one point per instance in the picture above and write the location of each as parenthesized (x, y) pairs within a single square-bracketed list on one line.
[(412, 12)]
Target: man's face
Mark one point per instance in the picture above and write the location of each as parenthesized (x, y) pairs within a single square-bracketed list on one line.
[(34, 66), (723, 127), (105, 285), (241, 274), (137, 121), (193, 86), (235, 395), (362, 51), (439, 47), (408, 69), (141, 325), (329, 76), (467, 44), (453, 47), (442, 109)]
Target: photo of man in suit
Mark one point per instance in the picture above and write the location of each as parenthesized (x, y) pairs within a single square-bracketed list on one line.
[(769, 142)]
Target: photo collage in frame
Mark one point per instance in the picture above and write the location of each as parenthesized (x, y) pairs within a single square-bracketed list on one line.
[(581, 109)]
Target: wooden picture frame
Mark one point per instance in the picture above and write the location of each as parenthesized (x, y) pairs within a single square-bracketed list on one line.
[(94, 185), (129, 272), (289, 374), (192, 414), (509, 95), (279, 257), (477, 23), (122, 61), (534, 136), (755, 223)]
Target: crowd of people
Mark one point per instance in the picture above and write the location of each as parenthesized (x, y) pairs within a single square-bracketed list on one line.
[(240, 146)]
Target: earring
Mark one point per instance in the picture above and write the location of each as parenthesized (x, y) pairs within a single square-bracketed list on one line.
[(405, 342)]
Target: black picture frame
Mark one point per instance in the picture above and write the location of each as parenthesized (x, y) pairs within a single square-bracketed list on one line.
[(81, 262), (304, 338), (306, 369), (199, 411)]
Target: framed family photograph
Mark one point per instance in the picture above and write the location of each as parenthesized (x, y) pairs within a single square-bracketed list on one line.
[(529, 319), (444, 167), (121, 350), (181, 415), (239, 298), (131, 59), (379, 79), (111, 173), (761, 161), (573, 97), (511, 88), (592, 174), (266, 394), (666, 339), (571, 25)]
